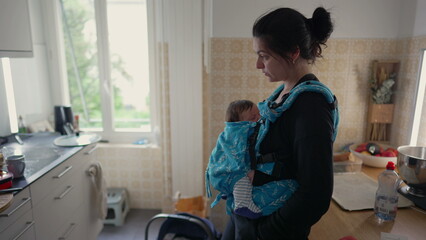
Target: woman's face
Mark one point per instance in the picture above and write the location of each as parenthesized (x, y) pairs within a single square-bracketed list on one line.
[(275, 67)]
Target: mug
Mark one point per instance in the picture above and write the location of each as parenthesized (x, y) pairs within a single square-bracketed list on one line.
[(16, 165)]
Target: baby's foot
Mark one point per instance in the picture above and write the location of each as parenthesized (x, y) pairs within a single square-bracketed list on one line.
[(246, 212)]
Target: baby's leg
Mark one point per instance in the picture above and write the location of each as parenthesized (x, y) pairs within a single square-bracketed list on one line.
[(244, 204)]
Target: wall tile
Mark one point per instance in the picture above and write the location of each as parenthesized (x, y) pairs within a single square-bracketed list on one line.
[(137, 169)]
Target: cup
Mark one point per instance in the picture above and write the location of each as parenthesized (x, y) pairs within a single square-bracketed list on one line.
[(16, 165)]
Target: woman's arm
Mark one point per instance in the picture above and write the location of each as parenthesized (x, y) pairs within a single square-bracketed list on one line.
[(312, 128)]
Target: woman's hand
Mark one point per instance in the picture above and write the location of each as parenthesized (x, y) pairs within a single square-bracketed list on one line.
[(250, 175)]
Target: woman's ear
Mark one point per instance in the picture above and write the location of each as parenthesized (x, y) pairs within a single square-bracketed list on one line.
[(295, 55)]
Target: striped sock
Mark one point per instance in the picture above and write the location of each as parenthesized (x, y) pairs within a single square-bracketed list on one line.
[(243, 195)]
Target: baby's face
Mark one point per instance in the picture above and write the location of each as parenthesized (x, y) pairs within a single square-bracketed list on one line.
[(251, 114)]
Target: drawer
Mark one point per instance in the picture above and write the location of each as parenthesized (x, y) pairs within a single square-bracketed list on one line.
[(59, 175), (74, 228), (55, 209), (22, 229), (21, 203)]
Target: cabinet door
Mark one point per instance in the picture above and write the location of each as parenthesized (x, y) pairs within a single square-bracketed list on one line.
[(55, 178), (63, 205), (15, 29), (90, 207), (74, 229), (22, 229), (21, 203)]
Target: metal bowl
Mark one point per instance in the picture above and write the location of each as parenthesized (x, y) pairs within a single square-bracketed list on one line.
[(411, 164)]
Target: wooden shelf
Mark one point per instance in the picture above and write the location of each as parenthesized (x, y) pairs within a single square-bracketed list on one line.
[(380, 116)]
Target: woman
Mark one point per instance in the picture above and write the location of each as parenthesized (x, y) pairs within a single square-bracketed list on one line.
[(287, 44)]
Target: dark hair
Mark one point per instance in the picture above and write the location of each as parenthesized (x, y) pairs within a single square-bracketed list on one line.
[(284, 30), (237, 107)]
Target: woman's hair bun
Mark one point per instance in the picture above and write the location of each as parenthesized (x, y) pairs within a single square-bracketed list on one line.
[(321, 25)]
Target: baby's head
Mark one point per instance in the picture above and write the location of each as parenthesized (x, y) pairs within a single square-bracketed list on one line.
[(242, 110)]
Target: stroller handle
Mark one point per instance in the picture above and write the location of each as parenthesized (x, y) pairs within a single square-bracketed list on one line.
[(180, 217)]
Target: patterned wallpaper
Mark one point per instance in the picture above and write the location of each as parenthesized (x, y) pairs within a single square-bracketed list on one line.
[(136, 168), (346, 68)]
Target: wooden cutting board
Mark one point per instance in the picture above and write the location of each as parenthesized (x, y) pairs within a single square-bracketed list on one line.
[(5, 200)]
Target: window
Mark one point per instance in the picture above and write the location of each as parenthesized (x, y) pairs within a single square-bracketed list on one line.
[(419, 100), (107, 57)]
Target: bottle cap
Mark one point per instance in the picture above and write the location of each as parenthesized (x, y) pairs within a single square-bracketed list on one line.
[(390, 166)]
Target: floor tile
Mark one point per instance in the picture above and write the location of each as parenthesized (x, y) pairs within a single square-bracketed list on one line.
[(133, 228)]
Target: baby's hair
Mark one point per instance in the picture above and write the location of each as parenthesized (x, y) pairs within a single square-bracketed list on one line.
[(235, 108)]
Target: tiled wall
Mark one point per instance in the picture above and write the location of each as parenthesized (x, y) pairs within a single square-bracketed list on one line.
[(345, 68), (139, 169)]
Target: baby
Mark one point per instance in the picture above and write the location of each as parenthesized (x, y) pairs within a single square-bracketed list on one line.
[(230, 167), (240, 111)]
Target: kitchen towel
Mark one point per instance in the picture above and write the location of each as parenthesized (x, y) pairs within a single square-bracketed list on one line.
[(99, 186), (357, 191)]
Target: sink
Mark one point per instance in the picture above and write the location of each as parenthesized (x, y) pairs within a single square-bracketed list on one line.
[(77, 140)]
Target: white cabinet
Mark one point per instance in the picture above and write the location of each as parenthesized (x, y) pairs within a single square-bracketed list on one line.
[(63, 205), (15, 29), (16, 222), (59, 205)]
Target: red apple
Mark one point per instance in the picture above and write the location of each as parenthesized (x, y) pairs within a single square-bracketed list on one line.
[(361, 147), (388, 153)]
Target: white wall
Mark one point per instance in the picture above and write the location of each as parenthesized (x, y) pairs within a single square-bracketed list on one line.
[(30, 75), (420, 20), (353, 19)]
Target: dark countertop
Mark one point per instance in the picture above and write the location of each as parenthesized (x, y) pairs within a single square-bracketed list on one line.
[(41, 156)]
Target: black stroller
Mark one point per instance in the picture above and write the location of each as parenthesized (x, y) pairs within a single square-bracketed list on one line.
[(184, 226)]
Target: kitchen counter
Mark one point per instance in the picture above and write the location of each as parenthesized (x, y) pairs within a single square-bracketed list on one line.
[(338, 223), (41, 155), (59, 199)]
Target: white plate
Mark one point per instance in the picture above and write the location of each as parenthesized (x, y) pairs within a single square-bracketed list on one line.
[(74, 141)]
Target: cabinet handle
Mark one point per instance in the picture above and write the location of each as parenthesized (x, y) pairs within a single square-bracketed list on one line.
[(91, 150), (63, 173), (29, 225), (69, 188), (68, 232), (25, 200)]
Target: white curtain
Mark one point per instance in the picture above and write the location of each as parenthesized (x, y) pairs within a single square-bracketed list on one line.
[(179, 71)]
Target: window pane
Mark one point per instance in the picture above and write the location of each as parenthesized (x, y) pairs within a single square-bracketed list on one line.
[(82, 63), (128, 39)]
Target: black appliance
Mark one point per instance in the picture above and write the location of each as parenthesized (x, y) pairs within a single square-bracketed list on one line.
[(418, 200), (64, 120)]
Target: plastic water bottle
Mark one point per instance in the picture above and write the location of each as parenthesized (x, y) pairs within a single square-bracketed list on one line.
[(386, 203)]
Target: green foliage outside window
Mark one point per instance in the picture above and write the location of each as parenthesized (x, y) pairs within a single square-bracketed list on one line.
[(85, 94)]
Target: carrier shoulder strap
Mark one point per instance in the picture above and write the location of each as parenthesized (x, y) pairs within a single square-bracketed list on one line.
[(277, 157)]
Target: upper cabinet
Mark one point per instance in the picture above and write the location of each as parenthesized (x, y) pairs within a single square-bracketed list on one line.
[(15, 29)]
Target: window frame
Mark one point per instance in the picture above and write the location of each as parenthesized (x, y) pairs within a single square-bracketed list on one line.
[(418, 100), (54, 34)]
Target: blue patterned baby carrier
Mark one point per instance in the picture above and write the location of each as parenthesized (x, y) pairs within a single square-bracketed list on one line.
[(230, 159)]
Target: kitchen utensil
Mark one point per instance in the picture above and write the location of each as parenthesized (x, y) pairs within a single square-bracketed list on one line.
[(5, 200), (16, 165), (411, 166), (5, 179), (10, 190)]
